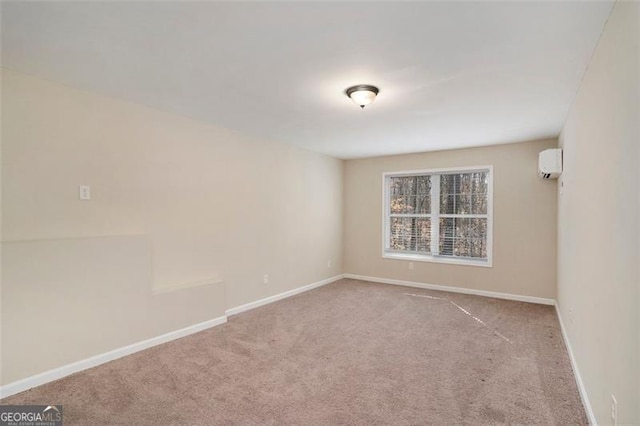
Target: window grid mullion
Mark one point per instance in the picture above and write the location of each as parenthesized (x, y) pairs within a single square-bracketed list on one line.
[(463, 216), (435, 214)]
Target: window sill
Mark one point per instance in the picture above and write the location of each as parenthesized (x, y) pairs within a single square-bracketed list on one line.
[(437, 259)]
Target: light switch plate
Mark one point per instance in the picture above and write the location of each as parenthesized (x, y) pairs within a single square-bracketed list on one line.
[(84, 192)]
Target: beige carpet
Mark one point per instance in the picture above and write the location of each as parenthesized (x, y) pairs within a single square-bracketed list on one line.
[(347, 353)]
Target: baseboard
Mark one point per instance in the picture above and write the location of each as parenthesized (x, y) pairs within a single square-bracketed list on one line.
[(275, 298), (60, 372), (508, 296), (576, 373)]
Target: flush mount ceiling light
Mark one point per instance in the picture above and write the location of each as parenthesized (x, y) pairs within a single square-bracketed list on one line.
[(362, 94)]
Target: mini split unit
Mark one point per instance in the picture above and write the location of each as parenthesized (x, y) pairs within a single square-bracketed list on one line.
[(550, 163)]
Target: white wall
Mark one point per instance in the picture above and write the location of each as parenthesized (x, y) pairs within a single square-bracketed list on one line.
[(197, 201), (524, 235), (598, 255)]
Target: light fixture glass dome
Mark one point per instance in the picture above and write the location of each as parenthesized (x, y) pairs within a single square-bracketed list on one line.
[(363, 94)]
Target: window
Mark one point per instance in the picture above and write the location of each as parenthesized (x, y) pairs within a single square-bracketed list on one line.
[(439, 215)]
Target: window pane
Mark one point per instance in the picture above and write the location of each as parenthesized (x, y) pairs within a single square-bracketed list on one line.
[(463, 237), (410, 234), (464, 193), (410, 195)]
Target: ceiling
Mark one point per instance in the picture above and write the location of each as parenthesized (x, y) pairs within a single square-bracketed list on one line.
[(451, 74)]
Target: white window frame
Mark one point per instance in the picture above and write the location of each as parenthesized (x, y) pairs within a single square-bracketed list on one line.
[(435, 205)]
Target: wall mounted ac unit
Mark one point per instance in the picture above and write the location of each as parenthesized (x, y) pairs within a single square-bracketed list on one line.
[(550, 163)]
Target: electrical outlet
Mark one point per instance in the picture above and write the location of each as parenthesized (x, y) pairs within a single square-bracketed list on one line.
[(329, 263), (266, 279), (410, 265), (571, 317), (614, 411)]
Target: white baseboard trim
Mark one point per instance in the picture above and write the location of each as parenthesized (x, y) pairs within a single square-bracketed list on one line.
[(275, 298), (508, 296), (60, 372), (576, 373)]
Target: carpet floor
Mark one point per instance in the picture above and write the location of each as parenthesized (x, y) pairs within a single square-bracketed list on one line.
[(350, 352)]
